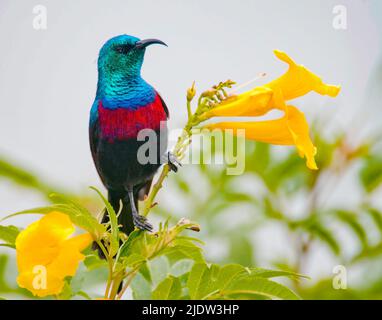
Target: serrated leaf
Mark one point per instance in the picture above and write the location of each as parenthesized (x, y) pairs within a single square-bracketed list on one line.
[(169, 289)]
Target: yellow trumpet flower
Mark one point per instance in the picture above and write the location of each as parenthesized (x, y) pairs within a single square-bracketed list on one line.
[(46, 254), (292, 128)]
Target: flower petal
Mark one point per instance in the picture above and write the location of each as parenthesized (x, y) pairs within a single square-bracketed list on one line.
[(29, 280), (70, 255), (44, 246), (255, 102), (298, 81), (291, 129)]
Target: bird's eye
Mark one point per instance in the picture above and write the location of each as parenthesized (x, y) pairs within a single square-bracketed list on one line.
[(123, 48)]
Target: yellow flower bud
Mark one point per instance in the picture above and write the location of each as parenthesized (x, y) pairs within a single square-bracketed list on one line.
[(191, 92)]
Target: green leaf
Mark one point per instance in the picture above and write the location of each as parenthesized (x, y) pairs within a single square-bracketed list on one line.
[(114, 240), (237, 197), (350, 219), (141, 288), (80, 218), (93, 261), (66, 292), (376, 216), (266, 273), (234, 280), (128, 246), (326, 236), (259, 159), (145, 271), (200, 281), (371, 173), (84, 295), (22, 177), (159, 269), (244, 256), (369, 253), (181, 267), (244, 284), (4, 287), (181, 250), (7, 245), (182, 184), (270, 210), (226, 274), (169, 289), (9, 234), (133, 260)]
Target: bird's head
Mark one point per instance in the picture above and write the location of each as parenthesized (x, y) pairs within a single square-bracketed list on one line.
[(123, 55)]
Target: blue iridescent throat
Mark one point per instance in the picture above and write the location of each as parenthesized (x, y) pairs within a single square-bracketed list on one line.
[(120, 92)]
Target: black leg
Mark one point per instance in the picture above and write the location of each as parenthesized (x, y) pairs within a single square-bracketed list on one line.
[(172, 161), (139, 221)]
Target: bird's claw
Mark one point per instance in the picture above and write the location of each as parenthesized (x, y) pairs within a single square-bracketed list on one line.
[(141, 223), (173, 161)]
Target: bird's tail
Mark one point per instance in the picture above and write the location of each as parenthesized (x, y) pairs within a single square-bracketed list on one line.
[(125, 218)]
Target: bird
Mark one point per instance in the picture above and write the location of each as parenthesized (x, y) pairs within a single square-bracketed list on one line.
[(124, 105)]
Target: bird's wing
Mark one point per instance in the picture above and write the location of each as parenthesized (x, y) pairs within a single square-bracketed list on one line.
[(164, 106), (94, 136)]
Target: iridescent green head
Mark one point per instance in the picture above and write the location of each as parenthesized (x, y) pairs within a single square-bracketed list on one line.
[(122, 56)]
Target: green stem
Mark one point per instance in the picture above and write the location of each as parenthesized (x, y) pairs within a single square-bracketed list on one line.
[(110, 266), (189, 112), (178, 151)]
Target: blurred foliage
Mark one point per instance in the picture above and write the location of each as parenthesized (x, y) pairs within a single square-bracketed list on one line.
[(136, 256), (276, 192)]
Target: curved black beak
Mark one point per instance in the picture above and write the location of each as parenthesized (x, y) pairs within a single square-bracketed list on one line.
[(147, 42)]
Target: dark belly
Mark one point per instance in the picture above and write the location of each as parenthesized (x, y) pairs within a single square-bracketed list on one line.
[(123, 163)]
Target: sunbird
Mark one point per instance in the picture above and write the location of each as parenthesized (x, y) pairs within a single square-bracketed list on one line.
[(124, 105)]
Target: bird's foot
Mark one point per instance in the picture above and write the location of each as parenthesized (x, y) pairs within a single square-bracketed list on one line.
[(172, 161), (141, 223)]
